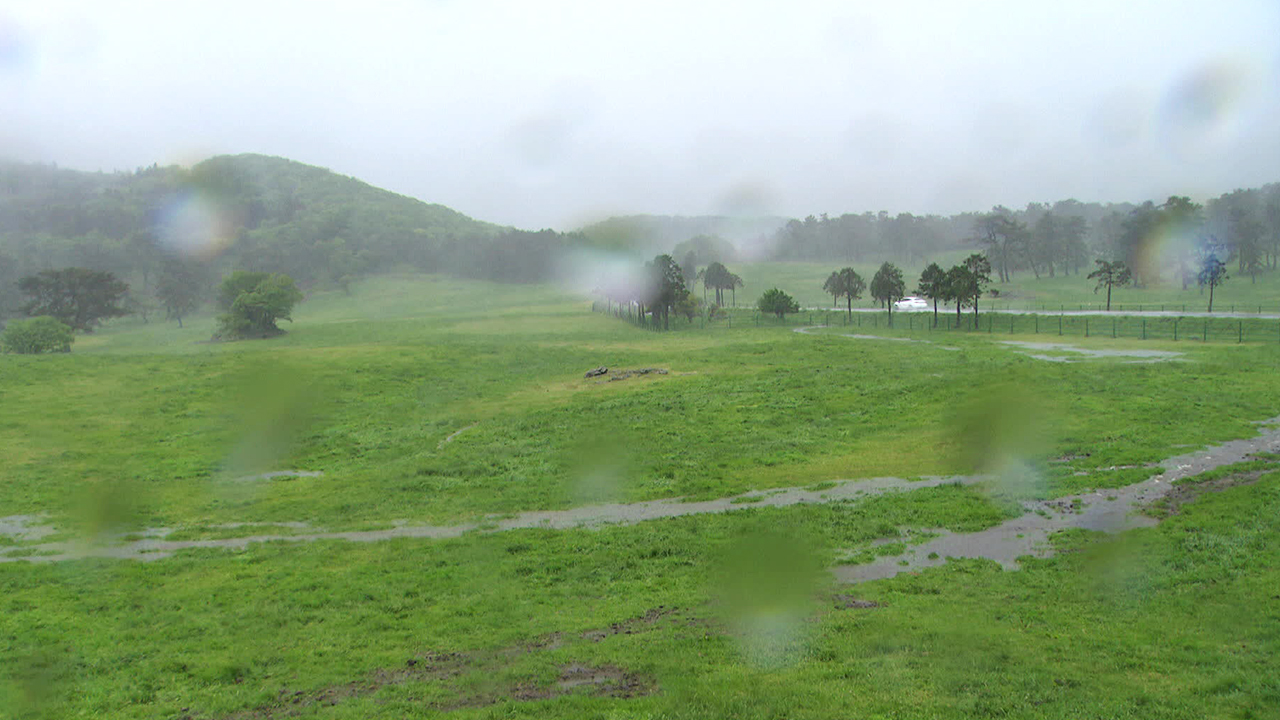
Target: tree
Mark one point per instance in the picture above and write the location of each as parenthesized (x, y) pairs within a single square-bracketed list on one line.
[(43, 334), (979, 268), (888, 286), (1109, 275), (179, 288), (1213, 272), (933, 285), (666, 287), (958, 287), (77, 297), (846, 283), (253, 302), (777, 302), (1005, 237), (718, 277)]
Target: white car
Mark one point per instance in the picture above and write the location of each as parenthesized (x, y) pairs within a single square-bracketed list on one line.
[(911, 303)]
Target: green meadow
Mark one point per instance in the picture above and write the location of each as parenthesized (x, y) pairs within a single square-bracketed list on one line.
[(423, 399)]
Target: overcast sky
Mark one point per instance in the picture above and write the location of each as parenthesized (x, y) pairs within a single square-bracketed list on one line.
[(540, 113)]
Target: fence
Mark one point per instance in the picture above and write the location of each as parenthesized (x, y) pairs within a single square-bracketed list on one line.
[(1183, 307), (1169, 327)]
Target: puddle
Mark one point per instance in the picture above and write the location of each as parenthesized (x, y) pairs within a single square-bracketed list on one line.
[(152, 545), (280, 474), (859, 336), (1108, 510), (25, 527), (1139, 356)]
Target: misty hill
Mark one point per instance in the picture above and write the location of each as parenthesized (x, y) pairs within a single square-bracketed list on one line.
[(250, 212), (649, 234)]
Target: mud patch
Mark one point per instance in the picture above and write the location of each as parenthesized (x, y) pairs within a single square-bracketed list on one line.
[(446, 668), (639, 372), (849, 602)]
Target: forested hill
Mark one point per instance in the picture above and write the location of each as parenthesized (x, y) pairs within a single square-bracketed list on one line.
[(249, 212)]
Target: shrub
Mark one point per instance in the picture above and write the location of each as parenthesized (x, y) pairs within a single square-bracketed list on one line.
[(38, 335)]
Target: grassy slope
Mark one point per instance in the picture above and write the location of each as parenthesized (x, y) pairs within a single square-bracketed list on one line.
[(134, 425), (151, 415)]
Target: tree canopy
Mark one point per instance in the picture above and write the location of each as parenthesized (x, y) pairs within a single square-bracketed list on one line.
[(846, 283), (1110, 274), (888, 286), (253, 302), (78, 297), (933, 285)]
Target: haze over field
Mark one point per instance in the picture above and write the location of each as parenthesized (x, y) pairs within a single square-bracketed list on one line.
[(559, 113)]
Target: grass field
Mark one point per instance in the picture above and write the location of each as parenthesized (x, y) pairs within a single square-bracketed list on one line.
[(425, 399)]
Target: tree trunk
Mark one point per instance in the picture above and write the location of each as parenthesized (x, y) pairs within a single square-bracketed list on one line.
[(1108, 297), (849, 299), (1211, 284), (935, 312)]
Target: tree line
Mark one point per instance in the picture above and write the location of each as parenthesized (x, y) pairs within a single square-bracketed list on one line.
[(61, 302)]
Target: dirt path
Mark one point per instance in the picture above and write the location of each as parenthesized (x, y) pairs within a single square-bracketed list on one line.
[(1107, 510)]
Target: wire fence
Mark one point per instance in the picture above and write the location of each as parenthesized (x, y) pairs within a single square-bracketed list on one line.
[(1181, 307), (1165, 327)]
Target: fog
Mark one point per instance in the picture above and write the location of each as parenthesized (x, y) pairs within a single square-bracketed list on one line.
[(553, 114)]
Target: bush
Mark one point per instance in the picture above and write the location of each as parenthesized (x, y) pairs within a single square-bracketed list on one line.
[(777, 302), (38, 335)]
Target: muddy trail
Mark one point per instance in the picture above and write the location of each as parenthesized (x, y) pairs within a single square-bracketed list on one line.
[(1110, 510)]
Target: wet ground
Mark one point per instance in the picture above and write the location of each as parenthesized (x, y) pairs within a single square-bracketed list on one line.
[(1073, 353), (1110, 510)]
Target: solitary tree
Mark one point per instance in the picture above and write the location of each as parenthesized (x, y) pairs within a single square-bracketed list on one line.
[(253, 302), (777, 302), (932, 285), (958, 287), (77, 297), (888, 286), (667, 287), (1213, 272), (979, 268), (1109, 275), (178, 288), (846, 283)]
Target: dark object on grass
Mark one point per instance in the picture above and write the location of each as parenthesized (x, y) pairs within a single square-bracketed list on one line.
[(597, 372)]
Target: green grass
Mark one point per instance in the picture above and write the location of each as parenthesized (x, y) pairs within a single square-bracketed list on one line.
[(148, 426)]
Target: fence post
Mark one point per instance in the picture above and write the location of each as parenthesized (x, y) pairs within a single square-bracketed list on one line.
[(1086, 327), (1240, 332), (1175, 329), (1011, 319), (1204, 337), (1113, 328), (1059, 326), (1144, 328)]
